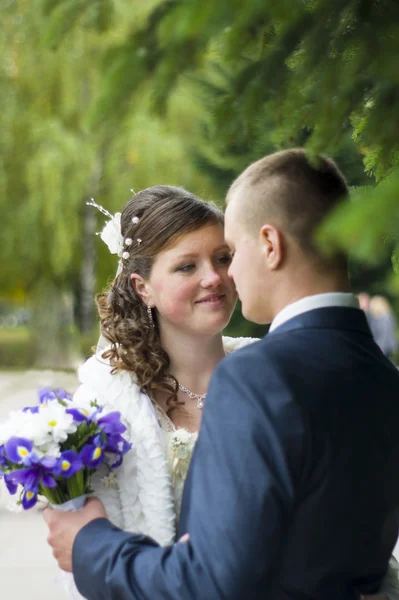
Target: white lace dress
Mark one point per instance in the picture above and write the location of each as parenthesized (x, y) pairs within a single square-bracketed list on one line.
[(179, 448)]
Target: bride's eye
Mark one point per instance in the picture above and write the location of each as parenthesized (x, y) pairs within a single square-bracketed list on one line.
[(186, 268), (225, 259)]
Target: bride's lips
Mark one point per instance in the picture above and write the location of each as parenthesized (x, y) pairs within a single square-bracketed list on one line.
[(212, 299)]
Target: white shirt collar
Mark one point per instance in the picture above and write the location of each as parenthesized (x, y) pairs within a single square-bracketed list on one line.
[(312, 302)]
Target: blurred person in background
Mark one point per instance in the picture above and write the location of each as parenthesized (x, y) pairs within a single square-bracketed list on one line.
[(383, 325), (364, 303)]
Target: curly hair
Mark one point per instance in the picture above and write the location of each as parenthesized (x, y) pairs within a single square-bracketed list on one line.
[(164, 213)]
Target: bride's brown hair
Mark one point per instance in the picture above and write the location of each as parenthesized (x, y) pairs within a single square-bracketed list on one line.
[(164, 213)]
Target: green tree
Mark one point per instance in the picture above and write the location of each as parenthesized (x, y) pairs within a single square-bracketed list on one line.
[(314, 65), (52, 161)]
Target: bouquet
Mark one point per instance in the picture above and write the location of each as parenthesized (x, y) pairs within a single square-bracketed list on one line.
[(53, 449)]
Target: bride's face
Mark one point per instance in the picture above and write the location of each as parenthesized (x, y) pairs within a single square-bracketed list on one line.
[(189, 285)]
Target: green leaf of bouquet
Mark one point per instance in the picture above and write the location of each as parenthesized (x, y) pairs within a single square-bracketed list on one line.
[(76, 485), (54, 495)]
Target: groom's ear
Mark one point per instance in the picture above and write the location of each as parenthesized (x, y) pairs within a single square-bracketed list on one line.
[(272, 246)]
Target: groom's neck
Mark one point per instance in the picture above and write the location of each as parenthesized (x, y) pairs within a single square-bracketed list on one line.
[(306, 281)]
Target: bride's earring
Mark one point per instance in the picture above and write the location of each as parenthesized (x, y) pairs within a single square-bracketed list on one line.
[(149, 313)]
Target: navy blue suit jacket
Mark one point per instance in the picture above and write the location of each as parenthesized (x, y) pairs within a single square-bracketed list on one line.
[(293, 489)]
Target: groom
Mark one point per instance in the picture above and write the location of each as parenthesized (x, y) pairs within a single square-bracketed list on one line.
[(293, 490)]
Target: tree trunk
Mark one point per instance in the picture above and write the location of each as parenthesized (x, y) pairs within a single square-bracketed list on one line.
[(54, 333), (88, 276)]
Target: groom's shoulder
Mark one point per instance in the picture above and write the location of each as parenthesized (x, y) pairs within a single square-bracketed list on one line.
[(254, 353), (264, 359), (255, 375), (250, 347)]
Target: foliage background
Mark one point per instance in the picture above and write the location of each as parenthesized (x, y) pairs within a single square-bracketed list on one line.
[(98, 98)]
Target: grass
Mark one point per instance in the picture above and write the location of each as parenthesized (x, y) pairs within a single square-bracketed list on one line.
[(16, 334), (17, 349)]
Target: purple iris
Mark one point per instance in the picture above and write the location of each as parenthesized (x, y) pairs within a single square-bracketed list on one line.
[(68, 464), (93, 454), (31, 409), (94, 415), (11, 486), (79, 414), (29, 499), (62, 394), (18, 450), (111, 423), (117, 445), (48, 394), (39, 472), (3, 460)]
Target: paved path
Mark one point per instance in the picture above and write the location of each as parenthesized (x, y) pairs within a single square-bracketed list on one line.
[(27, 567)]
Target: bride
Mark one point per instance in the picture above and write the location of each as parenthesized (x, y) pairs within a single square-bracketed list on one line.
[(161, 323)]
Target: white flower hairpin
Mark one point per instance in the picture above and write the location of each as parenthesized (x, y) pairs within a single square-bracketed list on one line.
[(112, 234)]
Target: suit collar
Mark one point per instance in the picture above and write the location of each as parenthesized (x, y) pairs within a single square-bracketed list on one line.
[(333, 317), (312, 302)]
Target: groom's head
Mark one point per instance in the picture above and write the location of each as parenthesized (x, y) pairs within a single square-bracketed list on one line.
[(273, 211)]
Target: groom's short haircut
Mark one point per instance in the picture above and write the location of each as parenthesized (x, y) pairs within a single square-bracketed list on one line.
[(289, 191)]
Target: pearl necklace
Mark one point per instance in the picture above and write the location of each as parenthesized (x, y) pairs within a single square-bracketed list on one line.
[(198, 397)]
